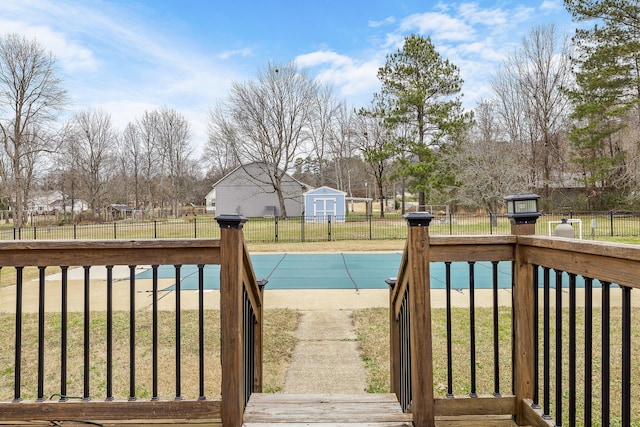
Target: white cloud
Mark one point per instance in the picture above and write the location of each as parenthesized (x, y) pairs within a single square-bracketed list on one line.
[(387, 21), (119, 59), (70, 55), (473, 14), (245, 52), (474, 38), (354, 80), (141, 66), (323, 57), (439, 26), (551, 6), (393, 41)]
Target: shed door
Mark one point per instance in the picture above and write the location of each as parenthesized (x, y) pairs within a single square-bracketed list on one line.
[(324, 207)]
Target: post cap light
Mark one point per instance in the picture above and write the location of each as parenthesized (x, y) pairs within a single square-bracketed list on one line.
[(418, 219), (523, 208)]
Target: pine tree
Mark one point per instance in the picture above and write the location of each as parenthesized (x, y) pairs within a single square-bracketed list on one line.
[(422, 89), (607, 93)]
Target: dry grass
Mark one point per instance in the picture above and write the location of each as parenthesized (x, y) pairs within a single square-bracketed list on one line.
[(280, 327), (8, 274), (372, 327)]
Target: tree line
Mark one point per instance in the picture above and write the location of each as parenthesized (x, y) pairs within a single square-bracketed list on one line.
[(563, 120)]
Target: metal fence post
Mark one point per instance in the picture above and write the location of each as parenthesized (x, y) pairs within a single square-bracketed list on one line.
[(276, 227), (329, 227), (611, 222), (302, 221), (450, 224), (491, 223), (370, 227)]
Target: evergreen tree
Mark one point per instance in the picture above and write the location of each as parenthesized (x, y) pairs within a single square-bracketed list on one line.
[(421, 89), (607, 93)]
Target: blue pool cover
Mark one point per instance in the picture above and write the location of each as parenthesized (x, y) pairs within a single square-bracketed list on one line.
[(336, 271)]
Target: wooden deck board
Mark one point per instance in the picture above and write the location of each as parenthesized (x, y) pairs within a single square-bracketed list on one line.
[(476, 420), (365, 410)]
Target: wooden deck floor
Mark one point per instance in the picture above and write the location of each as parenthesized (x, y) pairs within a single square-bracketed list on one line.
[(476, 421), (345, 410)]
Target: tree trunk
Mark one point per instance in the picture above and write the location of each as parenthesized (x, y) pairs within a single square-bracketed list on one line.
[(422, 203), (283, 208), (381, 193)]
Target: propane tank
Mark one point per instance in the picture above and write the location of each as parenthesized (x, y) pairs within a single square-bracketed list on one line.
[(564, 229)]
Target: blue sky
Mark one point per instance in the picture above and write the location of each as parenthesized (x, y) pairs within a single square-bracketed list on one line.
[(128, 56)]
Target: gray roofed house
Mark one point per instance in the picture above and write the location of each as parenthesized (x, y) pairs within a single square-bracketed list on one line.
[(247, 191)]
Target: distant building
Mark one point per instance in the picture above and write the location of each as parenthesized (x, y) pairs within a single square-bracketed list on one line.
[(116, 211), (247, 191), (51, 202), (323, 203)]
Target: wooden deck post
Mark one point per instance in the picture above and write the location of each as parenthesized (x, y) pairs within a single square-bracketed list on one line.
[(422, 406), (231, 303), (523, 319)]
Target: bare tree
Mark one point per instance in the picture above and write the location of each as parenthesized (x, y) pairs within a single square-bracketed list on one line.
[(31, 97), (269, 120), (219, 151), (90, 144), (174, 142), (321, 124), (131, 159), (149, 158), (492, 168), (534, 105), (378, 148), (342, 147)]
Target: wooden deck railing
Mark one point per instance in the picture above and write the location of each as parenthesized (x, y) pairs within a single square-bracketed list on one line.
[(539, 341), (240, 323), (537, 328)]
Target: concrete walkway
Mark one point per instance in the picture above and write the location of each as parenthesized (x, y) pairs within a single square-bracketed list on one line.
[(326, 358)]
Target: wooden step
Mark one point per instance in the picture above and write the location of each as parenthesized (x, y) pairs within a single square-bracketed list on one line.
[(346, 410), (476, 421)]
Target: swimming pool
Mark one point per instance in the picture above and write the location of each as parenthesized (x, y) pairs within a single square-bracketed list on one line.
[(336, 271)]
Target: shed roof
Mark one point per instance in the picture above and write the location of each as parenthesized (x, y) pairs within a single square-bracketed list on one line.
[(325, 190)]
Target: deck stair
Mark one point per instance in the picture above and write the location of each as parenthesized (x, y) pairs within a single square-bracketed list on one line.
[(476, 421), (348, 410)]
